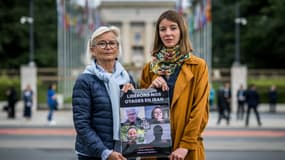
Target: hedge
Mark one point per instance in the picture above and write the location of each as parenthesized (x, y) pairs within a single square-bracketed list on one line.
[(262, 85), (6, 83)]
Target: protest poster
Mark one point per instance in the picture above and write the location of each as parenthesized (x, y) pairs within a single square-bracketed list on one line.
[(145, 123)]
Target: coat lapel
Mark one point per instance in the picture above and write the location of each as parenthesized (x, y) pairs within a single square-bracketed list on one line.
[(183, 78)]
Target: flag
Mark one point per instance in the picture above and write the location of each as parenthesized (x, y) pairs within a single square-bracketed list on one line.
[(179, 7), (60, 12), (208, 10)]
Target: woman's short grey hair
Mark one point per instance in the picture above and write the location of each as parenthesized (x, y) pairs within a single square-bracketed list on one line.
[(98, 32)]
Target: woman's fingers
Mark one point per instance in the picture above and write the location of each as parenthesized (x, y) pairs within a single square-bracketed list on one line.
[(159, 82), (127, 87)]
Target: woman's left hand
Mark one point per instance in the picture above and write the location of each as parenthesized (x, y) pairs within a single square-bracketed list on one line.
[(159, 82), (178, 154), (127, 86)]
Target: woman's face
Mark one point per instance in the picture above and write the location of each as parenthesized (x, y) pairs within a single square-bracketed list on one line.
[(106, 48), (157, 114), (169, 33), (54, 87)]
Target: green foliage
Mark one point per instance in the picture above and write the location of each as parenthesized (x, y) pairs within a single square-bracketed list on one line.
[(265, 81), (68, 100), (5, 83), (263, 93), (14, 39), (261, 40), (223, 33), (263, 84), (46, 29), (42, 92)]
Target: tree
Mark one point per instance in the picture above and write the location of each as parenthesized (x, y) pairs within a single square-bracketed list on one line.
[(14, 39), (223, 29), (262, 40), (265, 35)]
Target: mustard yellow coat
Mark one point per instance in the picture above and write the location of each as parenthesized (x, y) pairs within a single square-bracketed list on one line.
[(189, 110)]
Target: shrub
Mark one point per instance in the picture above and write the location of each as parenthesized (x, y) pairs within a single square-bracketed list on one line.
[(5, 83), (263, 85)]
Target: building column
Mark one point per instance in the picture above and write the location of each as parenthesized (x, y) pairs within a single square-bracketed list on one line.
[(126, 42), (238, 77), (149, 32), (29, 76)]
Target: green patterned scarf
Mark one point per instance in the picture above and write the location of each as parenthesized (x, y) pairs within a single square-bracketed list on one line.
[(166, 60)]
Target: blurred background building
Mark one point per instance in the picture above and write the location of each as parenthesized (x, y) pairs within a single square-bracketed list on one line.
[(77, 19)]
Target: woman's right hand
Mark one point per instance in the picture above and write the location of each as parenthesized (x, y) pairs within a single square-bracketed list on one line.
[(116, 156), (54, 96), (178, 154), (159, 82)]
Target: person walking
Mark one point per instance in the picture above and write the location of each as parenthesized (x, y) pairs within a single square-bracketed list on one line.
[(221, 106), (96, 97), (272, 95), (252, 100), (12, 98), (240, 102), (175, 68), (212, 98), (52, 103), (227, 97), (28, 96)]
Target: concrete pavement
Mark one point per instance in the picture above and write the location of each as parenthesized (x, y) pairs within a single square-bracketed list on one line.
[(223, 137), (63, 118)]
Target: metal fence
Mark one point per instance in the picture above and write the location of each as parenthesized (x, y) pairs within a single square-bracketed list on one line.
[(216, 74)]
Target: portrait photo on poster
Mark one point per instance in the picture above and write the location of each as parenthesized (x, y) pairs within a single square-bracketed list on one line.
[(145, 123)]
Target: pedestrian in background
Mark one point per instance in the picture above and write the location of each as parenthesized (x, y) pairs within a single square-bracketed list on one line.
[(12, 98), (28, 96), (272, 96), (96, 97), (240, 102), (221, 106), (52, 103), (212, 98), (227, 97), (175, 68), (252, 100)]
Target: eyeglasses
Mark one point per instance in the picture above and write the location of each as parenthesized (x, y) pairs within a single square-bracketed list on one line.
[(103, 44)]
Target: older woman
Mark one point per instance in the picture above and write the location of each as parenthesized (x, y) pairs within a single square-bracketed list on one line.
[(95, 98), (175, 68)]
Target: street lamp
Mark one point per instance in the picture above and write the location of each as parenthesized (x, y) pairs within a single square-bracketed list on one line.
[(238, 21), (30, 20)]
